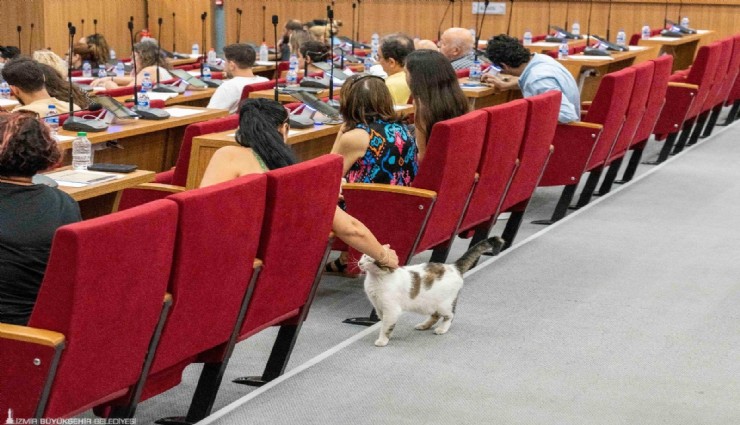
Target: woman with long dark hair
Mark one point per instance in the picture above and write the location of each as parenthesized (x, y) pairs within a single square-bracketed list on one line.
[(263, 131), (436, 92), (59, 88)]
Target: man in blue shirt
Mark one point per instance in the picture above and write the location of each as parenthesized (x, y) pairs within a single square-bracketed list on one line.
[(536, 74)]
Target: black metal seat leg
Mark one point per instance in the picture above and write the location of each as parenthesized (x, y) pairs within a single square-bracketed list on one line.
[(712, 121), (512, 228), (589, 187), (698, 128), (562, 207), (611, 175), (634, 162), (279, 357), (732, 115), (685, 135)]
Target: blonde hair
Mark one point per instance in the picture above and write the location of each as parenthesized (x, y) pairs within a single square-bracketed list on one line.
[(47, 57), (319, 33)]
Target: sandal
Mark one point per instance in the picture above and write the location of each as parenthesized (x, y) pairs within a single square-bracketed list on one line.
[(336, 267)]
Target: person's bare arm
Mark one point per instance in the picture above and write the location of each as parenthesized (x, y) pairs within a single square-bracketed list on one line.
[(229, 163), (352, 145), (355, 234), (501, 83)]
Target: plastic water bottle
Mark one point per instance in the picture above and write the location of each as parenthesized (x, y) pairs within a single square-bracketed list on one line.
[(101, 71), (112, 54), (576, 29), (82, 153), (86, 69), (120, 69), (52, 120), (646, 32), (206, 72), (212, 59), (143, 100), (527, 38), (563, 51), (685, 22), (196, 50), (292, 78), (4, 90), (374, 45), (368, 62), (621, 38), (475, 71), (146, 85), (264, 53)]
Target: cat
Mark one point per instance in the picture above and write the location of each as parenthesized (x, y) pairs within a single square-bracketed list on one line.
[(430, 288)]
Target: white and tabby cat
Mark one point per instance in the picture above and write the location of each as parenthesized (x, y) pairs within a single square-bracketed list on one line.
[(430, 288)]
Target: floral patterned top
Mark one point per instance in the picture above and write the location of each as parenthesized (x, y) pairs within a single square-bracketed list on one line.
[(391, 156)]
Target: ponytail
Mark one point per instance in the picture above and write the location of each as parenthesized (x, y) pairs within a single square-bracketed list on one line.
[(259, 120)]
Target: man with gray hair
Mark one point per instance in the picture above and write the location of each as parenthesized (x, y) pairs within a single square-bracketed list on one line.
[(457, 45)]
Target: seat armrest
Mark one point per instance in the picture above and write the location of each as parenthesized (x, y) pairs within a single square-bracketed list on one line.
[(145, 192), (169, 188), (573, 145), (396, 215), (31, 335)]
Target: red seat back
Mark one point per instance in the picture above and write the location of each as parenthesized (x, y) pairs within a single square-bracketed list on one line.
[(449, 167), (702, 74), (636, 109), (542, 120), (295, 235), (715, 96), (103, 289), (734, 86), (180, 176), (249, 88), (506, 124), (609, 109), (730, 75), (463, 73), (217, 236), (656, 98)]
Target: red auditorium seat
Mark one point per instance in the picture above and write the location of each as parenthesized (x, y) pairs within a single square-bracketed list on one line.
[(96, 313), (212, 273), (175, 179), (655, 102), (733, 98), (542, 120), (497, 167), (249, 88), (722, 93)]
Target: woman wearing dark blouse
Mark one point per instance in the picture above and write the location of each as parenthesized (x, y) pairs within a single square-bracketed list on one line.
[(29, 213)]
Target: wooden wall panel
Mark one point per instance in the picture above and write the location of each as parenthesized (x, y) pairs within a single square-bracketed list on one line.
[(23, 13), (112, 18), (187, 22)]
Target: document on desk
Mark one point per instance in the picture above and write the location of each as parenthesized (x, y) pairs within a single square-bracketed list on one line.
[(182, 112), (61, 138), (75, 178), (589, 58), (161, 96), (264, 63), (8, 102)]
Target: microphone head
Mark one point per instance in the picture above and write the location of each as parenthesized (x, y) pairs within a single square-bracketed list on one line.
[(159, 21), (94, 106), (203, 16), (274, 19), (32, 25), (19, 28), (354, 5), (330, 14), (130, 25), (95, 21), (131, 19), (83, 21), (72, 30), (69, 24)]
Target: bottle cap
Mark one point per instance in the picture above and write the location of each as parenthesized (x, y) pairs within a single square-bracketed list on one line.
[(82, 133)]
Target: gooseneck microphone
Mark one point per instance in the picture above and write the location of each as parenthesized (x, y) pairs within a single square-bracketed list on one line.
[(95, 26), (330, 16), (665, 17), (159, 87), (174, 49), (608, 21), (203, 41), (592, 51), (148, 113), (549, 16), (680, 6), (238, 24), (264, 9), (480, 29), (74, 123), (30, 39), (277, 57), (82, 26), (567, 13), (359, 21), (20, 48), (442, 21), (511, 13), (354, 7)]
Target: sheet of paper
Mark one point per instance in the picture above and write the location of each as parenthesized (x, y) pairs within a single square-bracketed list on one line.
[(64, 138), (264, 63), (590, 58), (661, 38), (75, 178), (182, 112), (160, 96), (8, 102)]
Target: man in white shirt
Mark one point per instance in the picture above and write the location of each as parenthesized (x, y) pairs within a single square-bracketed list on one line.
[(240, 59)]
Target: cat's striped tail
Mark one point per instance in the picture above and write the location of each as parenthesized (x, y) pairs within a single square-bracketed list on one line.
[(470, 257)]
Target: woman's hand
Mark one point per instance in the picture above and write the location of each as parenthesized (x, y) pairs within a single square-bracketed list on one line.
[(389, 258), (501, 83)]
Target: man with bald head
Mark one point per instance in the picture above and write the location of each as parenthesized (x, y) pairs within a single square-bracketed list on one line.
[(457, 45)]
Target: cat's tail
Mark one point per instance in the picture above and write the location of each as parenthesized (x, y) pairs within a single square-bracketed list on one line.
[(468, 260)]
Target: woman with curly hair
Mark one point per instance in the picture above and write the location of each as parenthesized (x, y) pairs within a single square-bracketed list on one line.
[(30, 213)]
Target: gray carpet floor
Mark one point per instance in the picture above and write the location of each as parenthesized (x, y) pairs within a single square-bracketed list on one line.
[(624, 313)]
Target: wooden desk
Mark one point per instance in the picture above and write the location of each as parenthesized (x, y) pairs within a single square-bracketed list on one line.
[(485, 96), (100, 199), (179, 62), (198, 98), (544, 46), (589, 70), (151, 145), (682, 49), (286, 98)]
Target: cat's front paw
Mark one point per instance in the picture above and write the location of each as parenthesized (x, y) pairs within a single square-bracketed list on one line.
[(381, 342), (422, 326), (440, 331)]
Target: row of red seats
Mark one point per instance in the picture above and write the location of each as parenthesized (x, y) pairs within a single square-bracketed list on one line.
[(100, 335)]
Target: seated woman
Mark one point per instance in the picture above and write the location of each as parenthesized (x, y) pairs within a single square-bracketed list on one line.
[(146, 60), (59, 88), (82, 53), (99, 47), (376, 145), (436, 92), (30, 213), (263, 130)]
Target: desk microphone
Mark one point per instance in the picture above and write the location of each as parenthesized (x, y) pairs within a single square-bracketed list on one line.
[(508, 25), (30, 39), (354, 8), (330, 15), (174, 48), (665, 17), (567, 13), (549, 16), (75, 123), (480, 29), (159, 87), (238, 24), (359, 22), (95, 26), (608, 22), (277, 57), (442, 21), (274, 18), (592, 51), (148, 113)]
